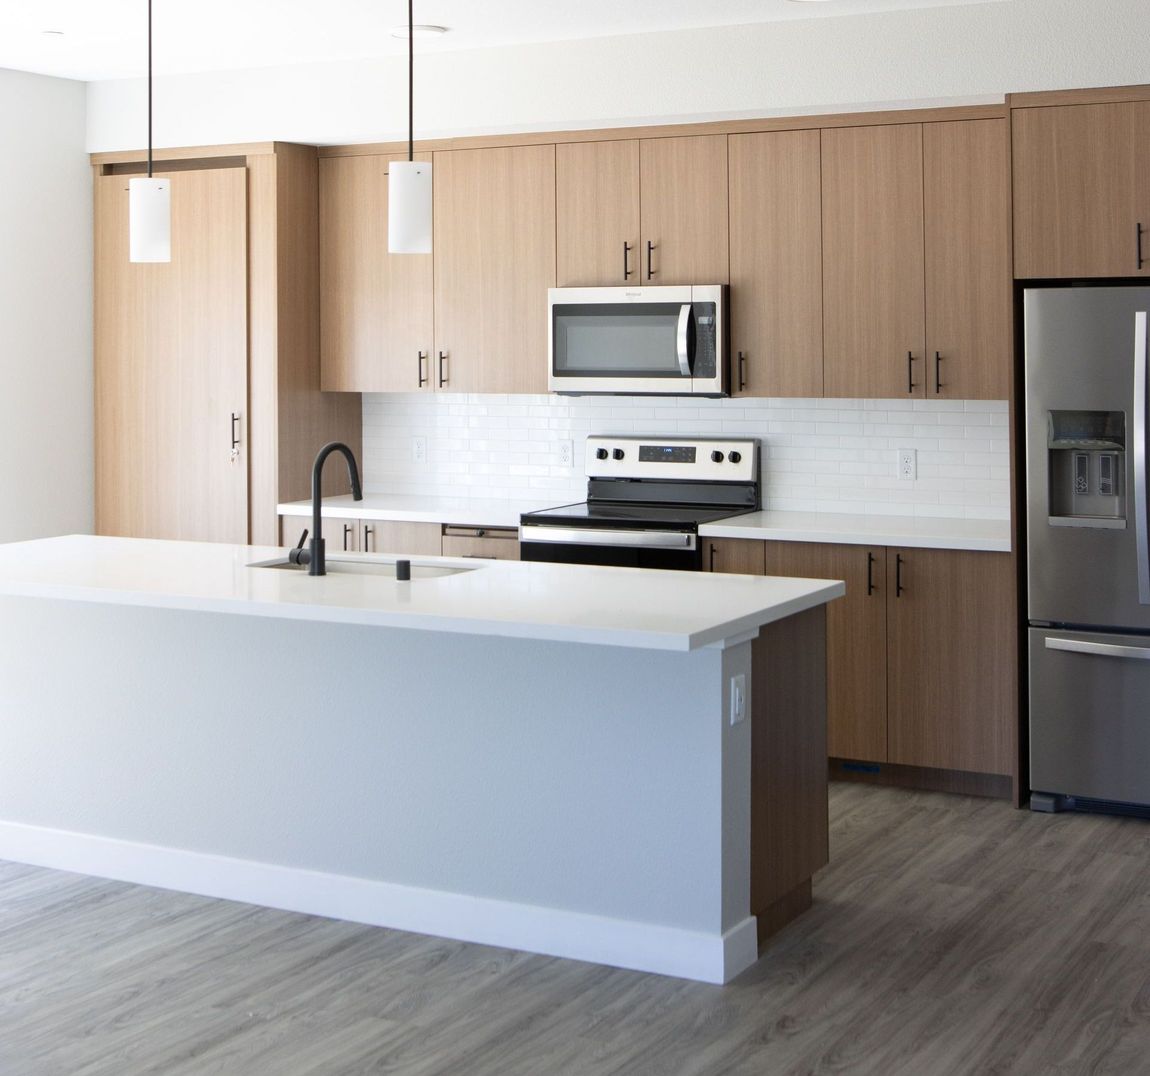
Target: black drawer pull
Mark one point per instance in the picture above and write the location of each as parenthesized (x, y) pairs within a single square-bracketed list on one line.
[(869, 574), (898, 587), (910, 385)]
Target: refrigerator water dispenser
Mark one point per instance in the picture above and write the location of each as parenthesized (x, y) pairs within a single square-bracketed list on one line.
[(1087, 452)]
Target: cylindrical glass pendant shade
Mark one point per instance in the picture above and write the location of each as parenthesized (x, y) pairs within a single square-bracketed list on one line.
[(149, 220), (409, 207)]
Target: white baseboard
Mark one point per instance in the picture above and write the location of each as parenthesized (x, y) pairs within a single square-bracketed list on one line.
[(687, 954)]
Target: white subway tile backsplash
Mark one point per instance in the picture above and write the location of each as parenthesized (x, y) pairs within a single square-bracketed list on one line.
[(818, 455)]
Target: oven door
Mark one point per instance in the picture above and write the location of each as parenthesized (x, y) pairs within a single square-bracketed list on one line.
[(638, 341), (676, 550)]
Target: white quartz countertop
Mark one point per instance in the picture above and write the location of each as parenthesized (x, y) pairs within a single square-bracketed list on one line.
[(458, 511), (920, 532), (631, 607)]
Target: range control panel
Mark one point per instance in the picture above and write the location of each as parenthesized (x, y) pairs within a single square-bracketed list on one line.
[(678, 458)]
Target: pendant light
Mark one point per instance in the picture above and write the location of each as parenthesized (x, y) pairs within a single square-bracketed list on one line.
[(409, 182), (149, 200)]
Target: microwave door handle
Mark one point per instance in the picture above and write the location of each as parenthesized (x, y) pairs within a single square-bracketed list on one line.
[(682, 338), (1140, 506)]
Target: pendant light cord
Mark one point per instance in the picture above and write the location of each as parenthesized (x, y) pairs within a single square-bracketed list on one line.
[(410, 80), (149, 89)]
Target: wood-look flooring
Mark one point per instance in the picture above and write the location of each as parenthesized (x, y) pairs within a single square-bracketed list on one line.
[(950, 934)]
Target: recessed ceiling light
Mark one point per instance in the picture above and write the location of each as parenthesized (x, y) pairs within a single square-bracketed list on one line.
[(417, 31)]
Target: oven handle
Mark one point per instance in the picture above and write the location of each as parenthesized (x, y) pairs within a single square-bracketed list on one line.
[(1108, 650), (682, 339), (589, 536)]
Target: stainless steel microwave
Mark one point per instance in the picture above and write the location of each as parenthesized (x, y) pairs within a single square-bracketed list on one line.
[(664, 341)]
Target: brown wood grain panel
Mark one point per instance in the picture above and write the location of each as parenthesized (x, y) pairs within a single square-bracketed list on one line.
[(597, 213), (388, 536), (776, 264), (684, 210), (873, 271), (966, 187), (1080, 190), (494, 259), (996, 786), (737, 556), (376, 307), (1097, 95), (856, 640), (952, 687), (171, 350)]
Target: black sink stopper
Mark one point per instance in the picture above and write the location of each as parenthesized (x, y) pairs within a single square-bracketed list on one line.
[(402, 570)]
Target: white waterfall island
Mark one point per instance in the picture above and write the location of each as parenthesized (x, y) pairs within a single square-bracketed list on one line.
[(610, 764)]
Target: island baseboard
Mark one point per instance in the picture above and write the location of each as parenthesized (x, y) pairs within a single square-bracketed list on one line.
[(647, 947)]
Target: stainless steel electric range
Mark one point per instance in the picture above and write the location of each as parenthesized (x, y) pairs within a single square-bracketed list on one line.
[(646, 498)]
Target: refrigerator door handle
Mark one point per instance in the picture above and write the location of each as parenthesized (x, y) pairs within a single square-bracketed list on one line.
[(1140, 520), (1106, 650)]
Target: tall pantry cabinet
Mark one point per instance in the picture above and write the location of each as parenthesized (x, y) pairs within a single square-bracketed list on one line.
[(208, 402)]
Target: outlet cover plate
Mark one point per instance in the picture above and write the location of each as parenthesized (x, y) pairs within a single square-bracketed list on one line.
[(566, 454), (908, 464), (419, 450)]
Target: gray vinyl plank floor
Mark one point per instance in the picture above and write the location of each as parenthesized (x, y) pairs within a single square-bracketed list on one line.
[(950, 934)]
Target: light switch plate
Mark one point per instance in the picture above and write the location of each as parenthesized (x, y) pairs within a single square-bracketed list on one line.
[(738, 698)]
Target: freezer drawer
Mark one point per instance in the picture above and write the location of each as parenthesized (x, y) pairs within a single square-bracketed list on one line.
[(1090, 715)]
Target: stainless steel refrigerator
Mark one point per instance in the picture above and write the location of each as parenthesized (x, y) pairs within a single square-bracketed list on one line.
[(1088, 565)]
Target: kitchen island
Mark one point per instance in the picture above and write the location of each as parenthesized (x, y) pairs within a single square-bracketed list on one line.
[(609, 764)]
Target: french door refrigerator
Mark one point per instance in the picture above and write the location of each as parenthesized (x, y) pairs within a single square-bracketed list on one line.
[(1088, 565)]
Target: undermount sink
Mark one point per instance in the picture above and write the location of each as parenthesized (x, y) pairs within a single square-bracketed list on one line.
[(364, 567)]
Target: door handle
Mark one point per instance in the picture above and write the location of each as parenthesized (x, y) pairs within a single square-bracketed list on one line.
[(626, 260), (1105, 650), (1142, 544), (650, 251), (898, 587), (1138, 237), (235, 453), (422, 380), (937, 373), (442, 376), (682, 337), (368, 531), (711, 566), (742, 368), (346, 536), (869, 574), (910, 385)]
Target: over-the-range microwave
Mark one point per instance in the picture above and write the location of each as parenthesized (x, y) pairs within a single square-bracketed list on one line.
[(662, 341)]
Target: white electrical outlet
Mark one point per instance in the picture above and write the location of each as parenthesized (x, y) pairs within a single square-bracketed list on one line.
[(419, 450), (566, 454), (738, 698), (908, 464)]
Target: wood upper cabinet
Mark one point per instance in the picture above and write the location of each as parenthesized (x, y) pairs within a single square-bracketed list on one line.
[(683, 185), (873, 273), (171, 371), (1081, 193), (376, 323), (856, 640), (597, 207), (953, 659), (494, 260), (966, 191), (776, 264), (646, 212)]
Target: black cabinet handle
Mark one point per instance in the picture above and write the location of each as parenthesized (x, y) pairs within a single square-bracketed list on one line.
[(711, 568), (1138, 237), (626, 259), (898, 587), (442, 360), (910, 385), (742, 368), (650, 251), (422, 380), (235, 434), (367, 533), (937, 373), (346, 536), (869, 574)]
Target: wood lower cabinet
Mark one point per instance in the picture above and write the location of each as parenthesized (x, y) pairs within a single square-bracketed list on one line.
[(776, 264), (1081, 198), (737, 556), (494, 261), (856, 641), (387, 536), (376, 317), (952, 664), (481, 543)]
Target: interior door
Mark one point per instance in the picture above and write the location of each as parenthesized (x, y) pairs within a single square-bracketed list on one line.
[(172, 434)]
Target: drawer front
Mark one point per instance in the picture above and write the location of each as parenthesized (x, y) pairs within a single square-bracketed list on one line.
[(485, 543)]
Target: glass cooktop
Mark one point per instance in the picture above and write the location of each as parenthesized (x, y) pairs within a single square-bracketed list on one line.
[(668, 516)]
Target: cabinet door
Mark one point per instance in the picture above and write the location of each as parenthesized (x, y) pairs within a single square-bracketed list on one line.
[(856, 641), (494, 261), (966, 187), (171, 366), (1080, 190), (386, 536), (873, 281), (683, 184), (776, 264), (952, 659), (597, 213), (375, 308), (737, 556)]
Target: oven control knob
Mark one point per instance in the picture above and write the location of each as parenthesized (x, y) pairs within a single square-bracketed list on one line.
[(618, 453), (600, 453), (734, 457), (716, 457)]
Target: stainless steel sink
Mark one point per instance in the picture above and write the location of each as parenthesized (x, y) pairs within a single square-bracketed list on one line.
[(364, 567)]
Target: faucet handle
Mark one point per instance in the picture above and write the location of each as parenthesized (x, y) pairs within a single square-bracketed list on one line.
[(302, 539), (299, 555)]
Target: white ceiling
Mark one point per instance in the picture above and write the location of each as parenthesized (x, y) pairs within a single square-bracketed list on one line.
[(104, 39)]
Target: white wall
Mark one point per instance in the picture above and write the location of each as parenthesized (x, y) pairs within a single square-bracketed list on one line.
[(46, 480), (973, 52)]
